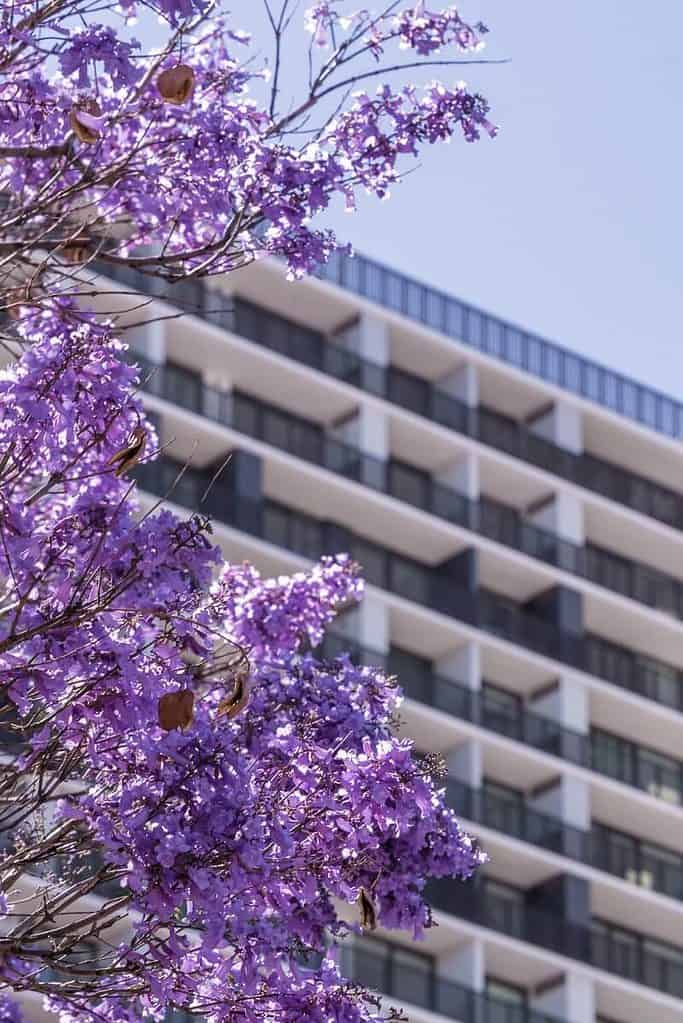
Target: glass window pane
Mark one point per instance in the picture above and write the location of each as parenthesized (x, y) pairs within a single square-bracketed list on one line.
[(648, 407), (591, 381), (410, 580), (612, 391), (409, 484), (505, 992), (374, 280), (475, 328), (434, 309), (629, 398), (394, 291), (372, 560), (414, 296), (412, 976), (454, 318), (534, 355), (514, 346), (553, 364)]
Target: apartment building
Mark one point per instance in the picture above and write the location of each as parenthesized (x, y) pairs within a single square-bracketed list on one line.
[(518, 514)]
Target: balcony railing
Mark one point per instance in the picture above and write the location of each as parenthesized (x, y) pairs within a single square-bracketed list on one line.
[(422, 584), (504, 341), (602, 847), (600, 751), (605, 946), (659, 775), (384, 970), (491, 428), (636, 861), (489, 518), (482, 424)]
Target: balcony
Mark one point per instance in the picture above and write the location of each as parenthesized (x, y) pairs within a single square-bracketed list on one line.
[(600, 751), (488, 518), (423, 584), (628, 762), (482, 424), (628, 954), (602, 847), (308, 346), (411, 977)]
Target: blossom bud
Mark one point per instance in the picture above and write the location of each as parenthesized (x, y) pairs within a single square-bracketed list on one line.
[(176, 710), (176, 84), (86, 121)]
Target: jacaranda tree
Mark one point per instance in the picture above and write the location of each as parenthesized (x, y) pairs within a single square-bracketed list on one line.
[(194, 806)]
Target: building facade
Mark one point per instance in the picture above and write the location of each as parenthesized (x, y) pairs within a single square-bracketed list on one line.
[(518, 512)]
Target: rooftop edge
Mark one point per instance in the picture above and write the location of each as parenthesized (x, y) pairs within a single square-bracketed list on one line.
[(505, 341)]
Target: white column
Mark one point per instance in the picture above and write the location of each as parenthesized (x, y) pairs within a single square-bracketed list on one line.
[(562, 424), (562, 515), (155, 341), (369, 337), (464, 965), (368, 624), (368, 431), (149, 339), (567, 702), (461, 475), (216, 400), (568, 799), (462, 383), (217, 378), (573, 998), (466, 763), (463, 665)]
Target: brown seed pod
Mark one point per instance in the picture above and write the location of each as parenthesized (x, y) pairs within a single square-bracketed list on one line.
[(75, 252), (128, 457), (176, 710), (14, 308), (237, 700), (176, 84), (368, 914), (85, 132)]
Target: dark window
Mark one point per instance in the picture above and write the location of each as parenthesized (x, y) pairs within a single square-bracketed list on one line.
[(612, 755), (506, 1003), (502, 710), (373, 561), (409, 391), (410, 580), (409, 484), (659, 775), (413, 673), (182, 386), (413, 977), (504, 808)]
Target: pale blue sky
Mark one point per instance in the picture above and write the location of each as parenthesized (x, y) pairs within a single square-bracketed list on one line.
[(571, 221)]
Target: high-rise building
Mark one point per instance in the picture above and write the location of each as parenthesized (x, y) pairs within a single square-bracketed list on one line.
[(517, 511)]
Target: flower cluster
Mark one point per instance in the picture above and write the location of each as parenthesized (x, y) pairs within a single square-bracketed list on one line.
[(429, 32), (211, 175), (231, 799), (10, 1011), (238, 788)]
